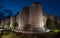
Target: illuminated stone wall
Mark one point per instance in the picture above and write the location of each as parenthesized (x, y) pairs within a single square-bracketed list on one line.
[(2, 23), (36, 17), (22, 18), (12, 20), (33, 16)]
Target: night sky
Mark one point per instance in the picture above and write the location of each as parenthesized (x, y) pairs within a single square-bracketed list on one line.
[(14, 6)]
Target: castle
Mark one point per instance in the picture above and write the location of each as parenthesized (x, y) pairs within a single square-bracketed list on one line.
[(30, 19)]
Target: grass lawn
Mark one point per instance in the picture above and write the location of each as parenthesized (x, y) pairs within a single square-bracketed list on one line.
[(11, 34)]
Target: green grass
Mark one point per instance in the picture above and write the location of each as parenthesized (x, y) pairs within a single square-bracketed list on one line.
[(6, 34)]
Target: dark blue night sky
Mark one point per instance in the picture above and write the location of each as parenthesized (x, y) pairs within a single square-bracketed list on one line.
[(49, 6)]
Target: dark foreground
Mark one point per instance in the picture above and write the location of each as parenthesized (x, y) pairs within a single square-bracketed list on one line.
[(10, 34)]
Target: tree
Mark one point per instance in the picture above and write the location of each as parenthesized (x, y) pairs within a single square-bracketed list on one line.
[(14, 25), (58, 26), (6, 26), (50, 24)]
